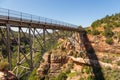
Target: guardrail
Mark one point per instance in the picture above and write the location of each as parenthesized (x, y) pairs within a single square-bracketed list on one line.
[(25, 17)]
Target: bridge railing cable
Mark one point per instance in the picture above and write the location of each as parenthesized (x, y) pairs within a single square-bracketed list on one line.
[(25, 17)]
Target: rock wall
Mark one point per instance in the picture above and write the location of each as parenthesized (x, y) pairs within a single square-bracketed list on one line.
[(97, 42), (54, 60), (7, 75), (52, 64)]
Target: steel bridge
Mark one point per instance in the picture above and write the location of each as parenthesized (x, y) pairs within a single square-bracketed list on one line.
[(37, 29)]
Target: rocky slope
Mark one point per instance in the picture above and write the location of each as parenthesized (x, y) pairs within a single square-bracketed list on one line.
[(92, 55), (7, 75), (72, 58), (99, 44), (4, 73)]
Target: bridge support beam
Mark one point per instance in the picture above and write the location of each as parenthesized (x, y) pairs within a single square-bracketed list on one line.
[(8, 47), (19, 36), (33, 42), (31, 49), (44, 45)]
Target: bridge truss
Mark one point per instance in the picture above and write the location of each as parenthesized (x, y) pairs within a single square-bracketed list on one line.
[(29, 34)]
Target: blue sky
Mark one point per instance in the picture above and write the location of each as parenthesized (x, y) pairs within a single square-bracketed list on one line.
[(79, 12)]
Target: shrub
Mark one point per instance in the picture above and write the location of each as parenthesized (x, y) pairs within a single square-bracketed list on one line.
[(70, 65), (119, 35), (88, 69), (118, 63), (109, 41), (62, 76), (95, 24), (90, 78), (95, 32), (4, 51), (53, 78), (3, 65), (46, 77), (88, 31), (72, 74), (81, 79), (67, 71), (108, 32)]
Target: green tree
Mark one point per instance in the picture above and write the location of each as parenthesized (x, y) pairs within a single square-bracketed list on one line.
[(109, 41), (108, 32), (96, 24), (62, 76), (88, 31), (95, 32)]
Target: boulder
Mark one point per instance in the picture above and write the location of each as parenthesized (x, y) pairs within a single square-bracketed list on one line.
[(7, 75), (2, 76), (46, 57)]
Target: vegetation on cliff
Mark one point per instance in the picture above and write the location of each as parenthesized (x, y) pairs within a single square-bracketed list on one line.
[(111, 21), (109, 27)]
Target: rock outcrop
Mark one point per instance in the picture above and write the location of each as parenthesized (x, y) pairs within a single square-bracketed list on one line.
[(99, 44), (52, 63), (73, 50), (95, 62), (7, 75)]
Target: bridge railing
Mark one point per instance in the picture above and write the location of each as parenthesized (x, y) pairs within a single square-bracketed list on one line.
[(25, 17)]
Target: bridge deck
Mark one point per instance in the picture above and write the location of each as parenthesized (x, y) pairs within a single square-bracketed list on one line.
[(15, 19)]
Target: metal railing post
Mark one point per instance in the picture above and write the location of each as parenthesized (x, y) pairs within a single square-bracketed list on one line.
[(21, 16), (8, 14)]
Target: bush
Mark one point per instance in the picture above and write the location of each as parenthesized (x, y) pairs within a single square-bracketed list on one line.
[(62, 76), (119, 35), (88, 31), (53, 78), (4, 65), (70, 65), (87, 69), (118, 63), (95, 32), (67, 71), (95, 24), (4, 51), (90, 78), (81, 79), (46, 77), (108, 32), (109, 41)]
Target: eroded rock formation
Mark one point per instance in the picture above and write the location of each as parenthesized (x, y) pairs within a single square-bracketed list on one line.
[(52, 63), (7, 75)]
